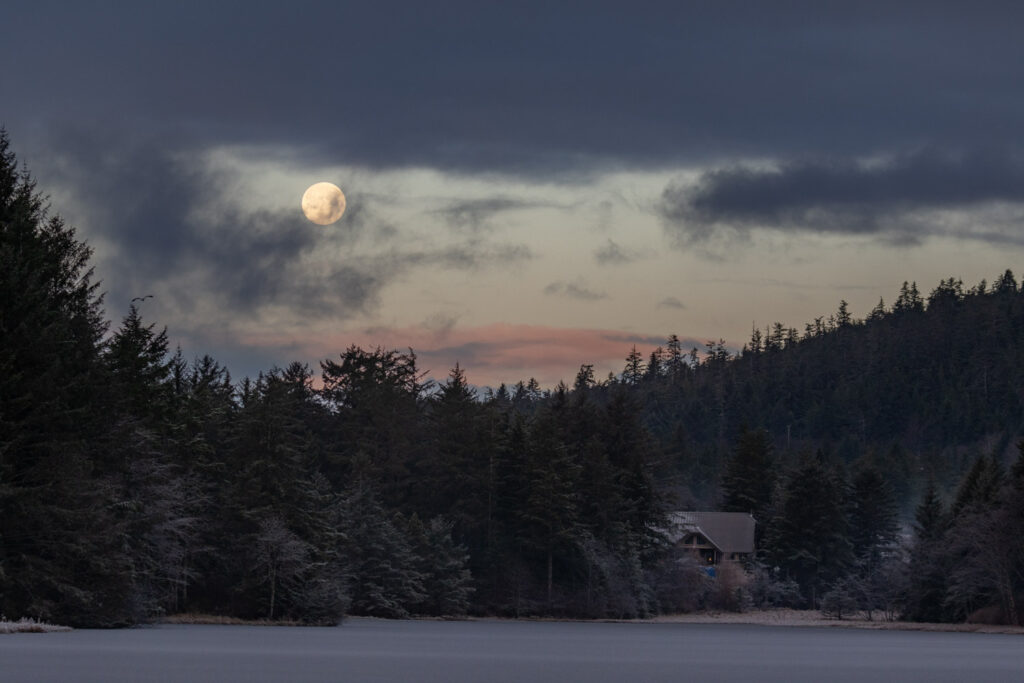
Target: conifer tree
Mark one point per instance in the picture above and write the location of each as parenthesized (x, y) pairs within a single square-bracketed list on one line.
[(873, 518), (749, 479), (383, 569), (154, 501), (675, 359), (375, 398), (60, 551), (447, 581), (137, 358), (633, 456), (979, 486), (456, 472), (809, 537), (584, 378), (549, 516), (1005, 283), (634, 370), (926, 592)]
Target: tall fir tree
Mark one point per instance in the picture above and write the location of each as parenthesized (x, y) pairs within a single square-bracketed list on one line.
[(749, 479), (809, 538), (874, 518), (60, 550), (929, 564)]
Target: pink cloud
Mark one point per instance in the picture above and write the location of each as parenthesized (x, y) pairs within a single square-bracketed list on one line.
[(489, 354)]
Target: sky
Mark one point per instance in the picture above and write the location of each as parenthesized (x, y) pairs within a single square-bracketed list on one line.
[(530, 186)]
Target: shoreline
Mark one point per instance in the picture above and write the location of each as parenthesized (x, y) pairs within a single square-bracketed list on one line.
[(28, 625), (782, 617), (814, 618)]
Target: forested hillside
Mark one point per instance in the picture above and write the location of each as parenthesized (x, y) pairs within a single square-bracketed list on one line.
[(136, 482), (921, 388)]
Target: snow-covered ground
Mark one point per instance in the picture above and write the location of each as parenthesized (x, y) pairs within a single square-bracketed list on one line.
[(29, 626)]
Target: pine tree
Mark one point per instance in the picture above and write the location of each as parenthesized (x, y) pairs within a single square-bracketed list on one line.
[(634, 370), (873, 518), (749, 479), (928, 560), (549, 515), (584, 378), (447, 581), (383, 569), (60, 555), (986, 563), (878, 312), (809, 538), (843, 317), (137, 357), (655, 365), (375, 397), (633, 455), (156, 501), (675, 360), (1005, 283), (979, 486), (204, 411), (278, 507)]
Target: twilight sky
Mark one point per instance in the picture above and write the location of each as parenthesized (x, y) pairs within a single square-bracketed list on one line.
[(529, 187)]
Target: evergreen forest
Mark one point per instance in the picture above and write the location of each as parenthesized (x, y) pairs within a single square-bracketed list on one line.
[(879, 457)]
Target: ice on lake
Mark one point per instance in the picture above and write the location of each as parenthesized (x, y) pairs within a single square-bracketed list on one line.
[(379, 650)]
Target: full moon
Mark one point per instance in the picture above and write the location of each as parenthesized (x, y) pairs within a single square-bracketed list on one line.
[(323, 203)]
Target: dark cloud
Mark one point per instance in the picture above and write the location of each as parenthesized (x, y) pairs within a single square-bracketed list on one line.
[(671, 302), (524, 87), (574, 290), (161, 225), (162, 215), (358, 216), (469, 256), (474, 215), (841, 196), (614, 254)]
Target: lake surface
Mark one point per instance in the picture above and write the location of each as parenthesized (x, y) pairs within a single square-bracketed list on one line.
[(377, 650)]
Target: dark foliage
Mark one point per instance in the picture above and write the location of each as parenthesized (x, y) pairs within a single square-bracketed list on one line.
[(134, 483), (809, 538)]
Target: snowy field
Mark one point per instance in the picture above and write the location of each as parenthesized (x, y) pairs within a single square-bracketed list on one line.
[(375, 650)]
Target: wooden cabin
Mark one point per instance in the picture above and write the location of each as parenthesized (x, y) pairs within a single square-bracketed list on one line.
[(714, 537)]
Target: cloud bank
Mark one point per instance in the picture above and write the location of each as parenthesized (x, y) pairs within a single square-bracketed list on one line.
[(181, 229), (897, 198), (535, 88)]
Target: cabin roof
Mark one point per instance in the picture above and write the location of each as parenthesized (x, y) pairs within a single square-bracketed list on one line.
[(730, 532)]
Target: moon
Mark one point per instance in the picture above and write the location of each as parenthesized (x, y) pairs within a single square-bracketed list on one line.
[(323, 203)]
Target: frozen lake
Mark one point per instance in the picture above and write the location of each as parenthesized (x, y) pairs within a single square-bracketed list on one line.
[(372, 650)]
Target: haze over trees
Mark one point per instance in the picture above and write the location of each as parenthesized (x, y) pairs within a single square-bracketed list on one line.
[(135, 482)]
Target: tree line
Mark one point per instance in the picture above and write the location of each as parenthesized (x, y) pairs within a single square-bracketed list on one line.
[(831, 536), (135, 482)]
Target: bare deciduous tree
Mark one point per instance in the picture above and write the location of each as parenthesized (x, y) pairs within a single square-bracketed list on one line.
[(280, 558)]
